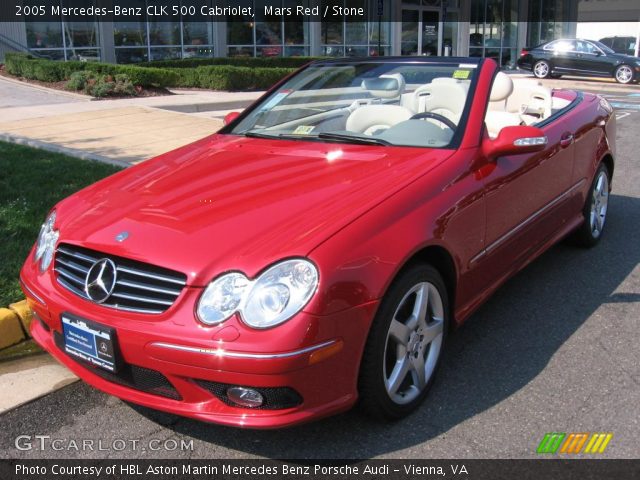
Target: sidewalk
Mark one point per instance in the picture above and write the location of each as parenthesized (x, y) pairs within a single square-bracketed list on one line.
[(29, 378), (123, 131)]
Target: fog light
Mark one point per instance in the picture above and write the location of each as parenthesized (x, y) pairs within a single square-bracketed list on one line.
[(245, 397)]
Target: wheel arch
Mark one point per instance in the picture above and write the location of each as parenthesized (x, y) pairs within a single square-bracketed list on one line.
[(441, 259), (609, 162)]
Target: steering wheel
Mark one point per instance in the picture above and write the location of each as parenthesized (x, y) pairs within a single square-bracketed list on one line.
[(435, 116)]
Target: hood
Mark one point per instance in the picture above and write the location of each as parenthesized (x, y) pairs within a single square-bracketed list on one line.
[(234, 203)]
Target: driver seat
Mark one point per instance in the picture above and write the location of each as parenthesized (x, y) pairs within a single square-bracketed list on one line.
[(376, 117)]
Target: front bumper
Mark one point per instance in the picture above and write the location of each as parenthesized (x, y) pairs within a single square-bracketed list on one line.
[(174, 364)]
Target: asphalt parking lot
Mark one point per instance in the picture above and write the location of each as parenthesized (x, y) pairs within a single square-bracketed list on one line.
[(556, 349)]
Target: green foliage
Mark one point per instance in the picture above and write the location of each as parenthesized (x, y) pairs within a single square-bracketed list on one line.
[(78, 80), (23, 65), (33, 181), (225, 77), (215, 77)]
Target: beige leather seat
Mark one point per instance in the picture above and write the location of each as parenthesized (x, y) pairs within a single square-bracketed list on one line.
[(369, 119), (444, 96), (497, 117), (529, 99)]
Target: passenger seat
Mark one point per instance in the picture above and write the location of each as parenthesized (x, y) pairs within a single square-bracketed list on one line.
[(374, 118), (497, 117)]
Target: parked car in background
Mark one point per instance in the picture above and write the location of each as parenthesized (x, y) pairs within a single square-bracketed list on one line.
[(625, 45), (579, 57), (317, 249)]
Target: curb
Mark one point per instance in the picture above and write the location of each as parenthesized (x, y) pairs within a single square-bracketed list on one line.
[(77, 96), (14, 324), (50, 147)]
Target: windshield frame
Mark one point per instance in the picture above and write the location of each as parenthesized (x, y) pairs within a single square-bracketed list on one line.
[(456, 139)]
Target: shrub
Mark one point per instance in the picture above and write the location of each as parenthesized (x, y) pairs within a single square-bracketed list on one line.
[(45, 70), (78, 80), (215, 77), (101, 86), (226, 77), (124, 85)]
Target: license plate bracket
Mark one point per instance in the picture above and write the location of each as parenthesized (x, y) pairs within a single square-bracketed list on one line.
[(90, 341)]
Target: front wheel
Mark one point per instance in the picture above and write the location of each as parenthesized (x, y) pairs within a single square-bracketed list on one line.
[(405, 344), (624, 74), (542, 69), (595, 210)]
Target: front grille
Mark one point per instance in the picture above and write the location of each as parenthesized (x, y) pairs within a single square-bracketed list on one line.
[(139, 287), (275, 398), (131, 376)]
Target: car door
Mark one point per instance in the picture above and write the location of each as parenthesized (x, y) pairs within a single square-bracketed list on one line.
[(524, 197), (562, 54), (591, 59)]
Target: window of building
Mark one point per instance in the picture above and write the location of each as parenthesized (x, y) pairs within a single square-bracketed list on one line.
[(357, 39), (548, 20), (493, 30), (60, 40), (268, 35), (149, 40)]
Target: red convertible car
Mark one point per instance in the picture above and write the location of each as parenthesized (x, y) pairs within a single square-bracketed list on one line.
[(317, 250)]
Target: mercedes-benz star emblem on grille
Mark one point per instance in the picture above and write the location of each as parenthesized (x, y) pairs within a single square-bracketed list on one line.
[(101, 280), (122, 236)]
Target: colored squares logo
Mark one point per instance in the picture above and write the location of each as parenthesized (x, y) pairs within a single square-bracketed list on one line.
[(555, 442)]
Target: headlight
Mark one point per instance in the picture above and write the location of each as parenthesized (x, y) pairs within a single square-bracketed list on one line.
[(271, 299), (46, 243)]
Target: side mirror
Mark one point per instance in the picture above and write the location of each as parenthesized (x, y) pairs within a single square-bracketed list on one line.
[(513, 141), (230, 117)]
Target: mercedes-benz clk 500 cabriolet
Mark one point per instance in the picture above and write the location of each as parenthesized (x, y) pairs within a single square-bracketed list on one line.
[(320, 247)]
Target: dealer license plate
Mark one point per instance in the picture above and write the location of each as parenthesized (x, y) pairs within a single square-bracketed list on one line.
[(90, 341)]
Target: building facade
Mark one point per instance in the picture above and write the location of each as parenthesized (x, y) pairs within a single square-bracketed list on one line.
[(478, 28)]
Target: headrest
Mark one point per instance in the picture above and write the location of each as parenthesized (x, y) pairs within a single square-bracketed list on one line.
[(502, 87), (385, 86)]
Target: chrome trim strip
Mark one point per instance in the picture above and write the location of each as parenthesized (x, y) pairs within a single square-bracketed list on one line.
[(156, 276), (81, 294), (137, 298), (77, 255), (74, 266), (150, 288), (496, 243), (36, 296), (69, 276), (231, 354)]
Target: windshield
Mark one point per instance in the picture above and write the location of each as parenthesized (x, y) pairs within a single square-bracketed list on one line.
[(383, 103)]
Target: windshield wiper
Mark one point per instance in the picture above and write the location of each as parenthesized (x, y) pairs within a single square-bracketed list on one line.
[(352, 139), (258, 135), (326, 136)]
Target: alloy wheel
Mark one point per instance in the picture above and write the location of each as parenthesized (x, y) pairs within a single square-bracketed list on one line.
[(624, 74), (541, 69), (599, 204), (414, 343)]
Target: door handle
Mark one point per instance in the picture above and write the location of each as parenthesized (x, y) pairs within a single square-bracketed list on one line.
[(566, 140)]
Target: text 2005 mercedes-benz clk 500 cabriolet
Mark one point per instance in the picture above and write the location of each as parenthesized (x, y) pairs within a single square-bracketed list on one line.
[(318, 248)]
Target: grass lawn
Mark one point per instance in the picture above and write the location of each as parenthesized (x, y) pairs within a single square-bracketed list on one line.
[(31, 182)]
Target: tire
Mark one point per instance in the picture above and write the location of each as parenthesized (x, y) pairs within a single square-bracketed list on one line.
[(623, 74), (541, 69), (389, 383), (595, 210)]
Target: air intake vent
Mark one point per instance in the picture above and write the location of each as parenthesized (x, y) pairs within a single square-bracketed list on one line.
[(139, 287)]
